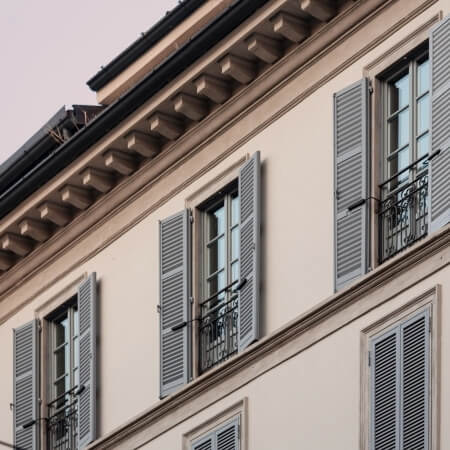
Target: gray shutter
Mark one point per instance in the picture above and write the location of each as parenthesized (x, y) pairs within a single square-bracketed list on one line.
[(350, 182), (227, 436), (87, 316), (440, 125), (400, 386), (204, 443), (249, 251), (414, 395), (26, 386), (175, 304), (385, 395)]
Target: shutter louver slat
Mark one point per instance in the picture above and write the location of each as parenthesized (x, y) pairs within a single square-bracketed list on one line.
[(415, 384), (174, 298), (249, 252), (439, 180), (227, 436), (350, 153), (87, 343), (385, 393), (26, 375)]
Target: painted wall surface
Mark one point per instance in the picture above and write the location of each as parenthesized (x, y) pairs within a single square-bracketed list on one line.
[(297, 273), (313, 399)]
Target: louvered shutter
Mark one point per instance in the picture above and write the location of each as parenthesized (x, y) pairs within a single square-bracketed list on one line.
[(249, 251), (227, 437), (400, 384), (439, 179), (414, 393), (175, 304), (26, 386), (385, 393), (204, 443), (350, 182), (87, 316)]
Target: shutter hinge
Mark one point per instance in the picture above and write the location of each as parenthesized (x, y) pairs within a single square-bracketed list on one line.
[(158, 309), (191, 216), (191, 299), (369, 359), (370, 87), (39, 325)]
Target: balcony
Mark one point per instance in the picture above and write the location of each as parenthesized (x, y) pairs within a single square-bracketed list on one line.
[(218, 328), (403, 213), (62, 424)]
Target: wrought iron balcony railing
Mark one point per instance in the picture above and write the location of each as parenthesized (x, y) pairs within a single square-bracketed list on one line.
[(403, 214), (218, 328), (62, 424)]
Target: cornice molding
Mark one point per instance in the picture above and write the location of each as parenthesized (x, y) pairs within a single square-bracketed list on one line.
[(374, 289), (197, 139)]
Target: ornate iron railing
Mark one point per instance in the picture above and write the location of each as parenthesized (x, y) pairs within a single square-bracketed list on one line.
[(62, 424), (218, 328), (403, 214)]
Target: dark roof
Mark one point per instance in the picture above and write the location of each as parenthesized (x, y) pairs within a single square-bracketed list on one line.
[(65, 123), (59, 158), (140, 46)]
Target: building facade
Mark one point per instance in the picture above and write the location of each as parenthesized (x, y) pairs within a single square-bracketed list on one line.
[(246, 246)]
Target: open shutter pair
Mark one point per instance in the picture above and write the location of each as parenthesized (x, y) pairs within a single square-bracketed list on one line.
[(27, 420), (351, 153), (175, 281), (225, 437), (400, 378)]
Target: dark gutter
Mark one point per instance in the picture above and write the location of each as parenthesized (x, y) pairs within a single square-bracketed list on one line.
[(115, 113), (166, 24), (41, 143)]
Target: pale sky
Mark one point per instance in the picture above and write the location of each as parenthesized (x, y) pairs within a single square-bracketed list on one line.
[(50, 48)]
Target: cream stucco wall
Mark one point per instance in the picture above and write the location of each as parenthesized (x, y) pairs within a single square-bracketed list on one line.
[(297, 272)]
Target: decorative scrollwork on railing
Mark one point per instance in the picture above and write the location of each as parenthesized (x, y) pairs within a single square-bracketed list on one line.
[(403, 216), (62, 424), (218, 331)]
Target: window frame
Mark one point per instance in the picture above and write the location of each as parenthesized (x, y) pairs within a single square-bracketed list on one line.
[(407, 64), (429, 299), (70, 308), (195, 202)]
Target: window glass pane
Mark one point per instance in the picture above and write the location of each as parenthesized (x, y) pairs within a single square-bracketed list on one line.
[(423, 148), (216, 283), (216, 220), (61, 361), (75, 322), (61, 386), (399, 162), (75, 352), (423, 114), (216, 253), (61, 331), (399, 94), (235, 243), (235, 209), (235, 271), (399, 130), (423, 77)]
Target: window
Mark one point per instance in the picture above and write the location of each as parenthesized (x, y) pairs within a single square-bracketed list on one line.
[(219, 305), (404, 190), (68, 368), (224, 437), (400, 385), (63, 378), (210, 276)]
